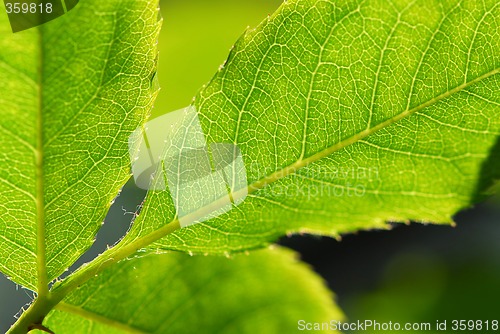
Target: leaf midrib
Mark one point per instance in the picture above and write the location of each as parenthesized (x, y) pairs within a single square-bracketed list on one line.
[(361, 135), (69, 308), (41, 257), (301, 163)]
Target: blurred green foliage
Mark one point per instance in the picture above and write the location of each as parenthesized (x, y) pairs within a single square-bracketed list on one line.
[(195, 40), (438, 280)]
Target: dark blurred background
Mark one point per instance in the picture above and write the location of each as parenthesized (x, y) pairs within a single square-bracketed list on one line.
[(412, 273)]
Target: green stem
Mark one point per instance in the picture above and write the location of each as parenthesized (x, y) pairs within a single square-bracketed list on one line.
[(33, 317), (108, 258), (44, 304)]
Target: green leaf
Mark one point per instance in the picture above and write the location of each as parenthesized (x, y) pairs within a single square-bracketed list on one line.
[(268, 291), (72, 92), (349, 115)]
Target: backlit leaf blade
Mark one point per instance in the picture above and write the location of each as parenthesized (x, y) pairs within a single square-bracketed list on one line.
[(72, 92), (268, 291)]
